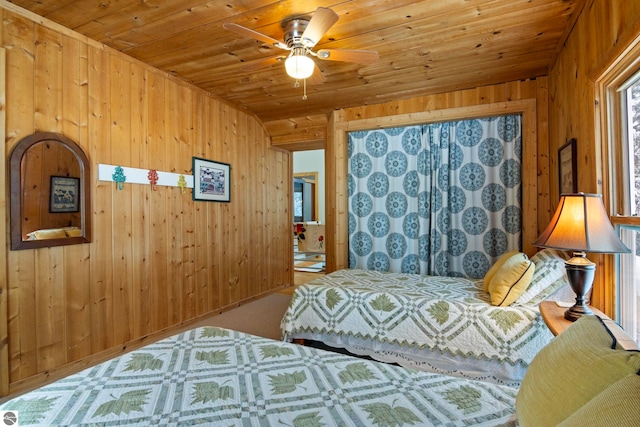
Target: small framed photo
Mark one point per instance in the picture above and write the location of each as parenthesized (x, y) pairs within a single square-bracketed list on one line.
[(65, 194), (567, 167), (211, 180)]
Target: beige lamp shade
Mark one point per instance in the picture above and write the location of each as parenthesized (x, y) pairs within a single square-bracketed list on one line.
[(580, 223)]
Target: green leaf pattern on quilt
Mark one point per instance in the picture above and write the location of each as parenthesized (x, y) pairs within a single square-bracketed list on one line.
[(312, 419), (440, 311), (383, 303), (294, 297), (287, 383), (214, 333), (32, 410), (357, 304), (143, 361), (216, 357), (333, 391), (273, 350), (384, 415), (505, 320), (466, 398), (209, 392), (127, 402), (355, 372), (333, 298)]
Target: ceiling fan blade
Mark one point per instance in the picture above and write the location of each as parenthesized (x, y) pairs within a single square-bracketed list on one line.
[(317, 77), (254, 34), (321, 21), (359, 56)]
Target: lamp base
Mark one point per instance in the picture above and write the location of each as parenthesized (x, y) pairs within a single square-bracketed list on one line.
[(580, 272), (577, 311)]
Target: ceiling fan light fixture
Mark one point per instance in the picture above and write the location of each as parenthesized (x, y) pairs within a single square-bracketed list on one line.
[(299, 67), (300, 37)]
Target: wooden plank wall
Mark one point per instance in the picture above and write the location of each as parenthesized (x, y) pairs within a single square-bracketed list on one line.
[(530, 96), (157, 259), (601, 32)]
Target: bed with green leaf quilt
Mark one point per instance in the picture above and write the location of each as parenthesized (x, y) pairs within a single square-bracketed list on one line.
[(216, 376), (435, 323)]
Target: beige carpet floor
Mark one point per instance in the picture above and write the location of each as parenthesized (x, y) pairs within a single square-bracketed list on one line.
[(260, 317)]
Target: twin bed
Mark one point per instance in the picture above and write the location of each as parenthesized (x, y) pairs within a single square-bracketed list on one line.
[(213, 376), (222, 377), (442, 324)]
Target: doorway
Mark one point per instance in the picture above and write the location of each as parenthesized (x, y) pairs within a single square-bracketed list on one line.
[(308, 212)]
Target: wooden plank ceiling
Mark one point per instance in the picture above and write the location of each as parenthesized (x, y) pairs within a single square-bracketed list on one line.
[(425, 47)]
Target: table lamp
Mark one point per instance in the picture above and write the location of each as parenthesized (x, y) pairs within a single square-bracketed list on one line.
[(580, 224)]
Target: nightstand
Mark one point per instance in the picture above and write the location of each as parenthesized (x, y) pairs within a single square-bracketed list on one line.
[(553, 316)]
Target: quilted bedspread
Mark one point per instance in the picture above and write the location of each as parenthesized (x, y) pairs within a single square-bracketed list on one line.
[(216, 376), (449, 314)]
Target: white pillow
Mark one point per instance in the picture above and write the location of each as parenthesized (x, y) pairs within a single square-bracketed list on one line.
[(550, 269)]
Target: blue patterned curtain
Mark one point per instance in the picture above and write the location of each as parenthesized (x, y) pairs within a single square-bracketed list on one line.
[(441, 199)]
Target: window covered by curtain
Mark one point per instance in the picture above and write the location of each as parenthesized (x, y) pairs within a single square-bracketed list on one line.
[(441, 199)]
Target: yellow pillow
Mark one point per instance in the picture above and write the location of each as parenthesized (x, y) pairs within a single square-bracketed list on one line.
[(617, 405), (495, 267), (570, 371), (54, 233), (73, 232), (511, 280)]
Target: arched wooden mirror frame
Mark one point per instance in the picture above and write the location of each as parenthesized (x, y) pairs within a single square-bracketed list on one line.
[(17, 155)]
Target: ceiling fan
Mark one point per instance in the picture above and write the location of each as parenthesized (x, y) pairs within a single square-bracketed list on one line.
[(300, 36)]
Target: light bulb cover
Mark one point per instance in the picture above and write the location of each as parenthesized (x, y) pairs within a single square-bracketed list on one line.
[(299, 66)]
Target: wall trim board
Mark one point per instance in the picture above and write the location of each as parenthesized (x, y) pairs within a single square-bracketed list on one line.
[(4, 283), (434, 116)]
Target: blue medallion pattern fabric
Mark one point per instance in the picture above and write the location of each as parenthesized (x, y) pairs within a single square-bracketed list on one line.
[(440, 199)]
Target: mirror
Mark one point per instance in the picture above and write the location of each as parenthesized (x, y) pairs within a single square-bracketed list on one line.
[(305, 196), (50, 197)]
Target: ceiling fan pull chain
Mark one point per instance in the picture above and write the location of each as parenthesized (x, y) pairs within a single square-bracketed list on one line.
[(304, 83)]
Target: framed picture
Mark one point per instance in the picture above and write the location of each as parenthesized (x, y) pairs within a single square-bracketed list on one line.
[(65, 194), (567, 168), (211, 180)]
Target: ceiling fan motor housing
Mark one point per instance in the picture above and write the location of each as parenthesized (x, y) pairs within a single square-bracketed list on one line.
[(293, 31)]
